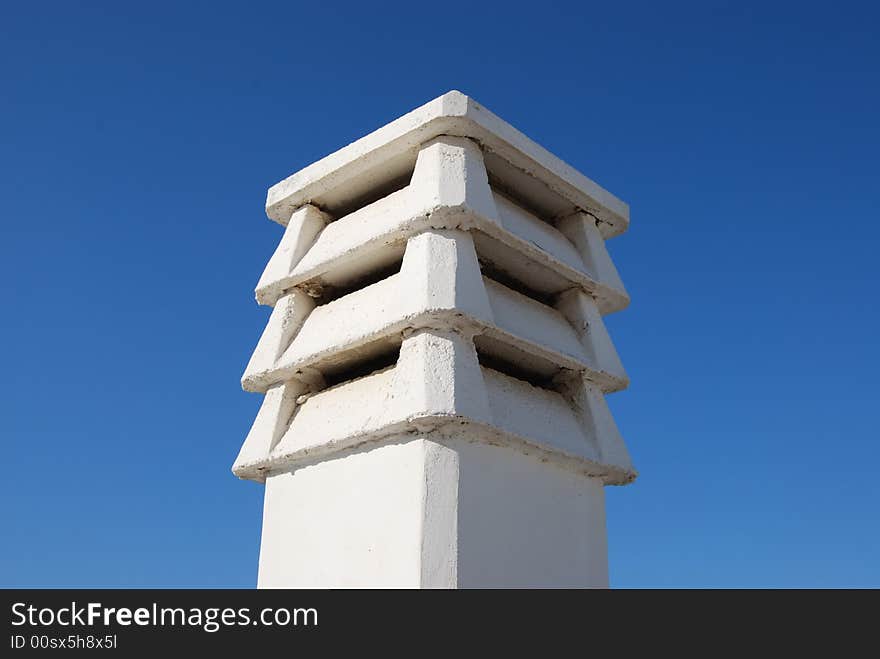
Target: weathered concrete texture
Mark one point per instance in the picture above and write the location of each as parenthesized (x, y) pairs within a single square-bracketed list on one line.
[(389, 152), (439, 284), (449, 189), (438, 383), (438, 296)]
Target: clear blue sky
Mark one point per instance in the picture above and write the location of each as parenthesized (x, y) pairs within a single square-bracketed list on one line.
[(138, 140)]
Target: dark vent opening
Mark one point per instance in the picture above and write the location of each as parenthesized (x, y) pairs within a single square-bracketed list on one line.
[(374, 194), (330, 293), (514, 370), (520, 200), (493, 272), (362, 367)]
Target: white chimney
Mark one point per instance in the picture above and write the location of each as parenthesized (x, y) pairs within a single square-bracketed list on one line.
[(435, 365)]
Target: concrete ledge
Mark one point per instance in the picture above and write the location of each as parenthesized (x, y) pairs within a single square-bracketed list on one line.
[(300, 446), (568, 423), (389, 152), (439, 287), (375, 235)]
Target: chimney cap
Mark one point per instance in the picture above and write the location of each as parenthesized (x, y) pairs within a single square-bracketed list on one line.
[(326, 182)]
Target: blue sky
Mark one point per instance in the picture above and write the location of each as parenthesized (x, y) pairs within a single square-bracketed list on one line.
[(138, 140)]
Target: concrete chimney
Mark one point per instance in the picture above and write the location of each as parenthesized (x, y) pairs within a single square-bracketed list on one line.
[(435, 366)]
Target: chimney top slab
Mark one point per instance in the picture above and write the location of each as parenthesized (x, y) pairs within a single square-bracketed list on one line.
[(388, 153)]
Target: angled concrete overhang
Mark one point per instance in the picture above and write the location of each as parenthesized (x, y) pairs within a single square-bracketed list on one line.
[(340, 181), (442, 276), (437, 388)]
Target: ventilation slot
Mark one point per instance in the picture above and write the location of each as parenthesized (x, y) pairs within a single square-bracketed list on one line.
[(499, 276), (363, 366), (525, 190), (375, 193), (326, 293), (518, 199), (516, 370)]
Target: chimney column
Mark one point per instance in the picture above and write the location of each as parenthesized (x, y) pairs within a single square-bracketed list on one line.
[(435, 365)]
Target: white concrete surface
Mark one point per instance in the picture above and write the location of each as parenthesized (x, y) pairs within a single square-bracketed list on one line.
[(390, 152), (436, 363), (299, 235), (523, 523), (416, 513), (439, 285), (449, 189), (350, 521)]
